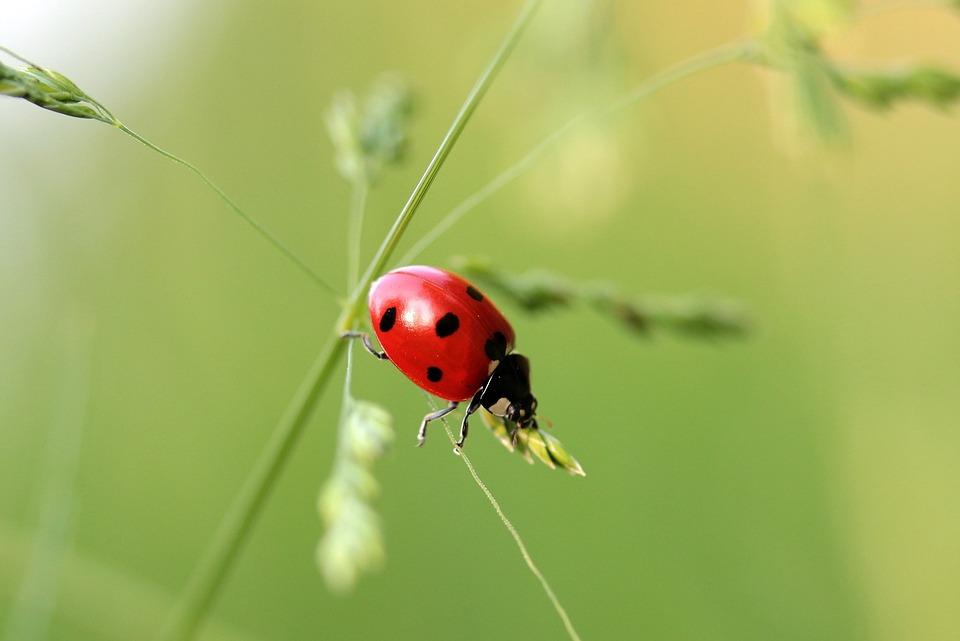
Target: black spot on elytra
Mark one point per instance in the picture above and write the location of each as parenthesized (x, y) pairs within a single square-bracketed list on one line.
[(447, 325), (496, 346), (434, 374), (388, 319), (474, 293)]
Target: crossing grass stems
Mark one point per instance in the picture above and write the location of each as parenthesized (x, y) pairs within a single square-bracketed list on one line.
[(214, 566)]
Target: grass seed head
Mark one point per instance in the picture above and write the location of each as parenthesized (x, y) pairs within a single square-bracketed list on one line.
[(881, 90), (367, 140), (533, 443), (53, 91), (540, 290), (353, 541)]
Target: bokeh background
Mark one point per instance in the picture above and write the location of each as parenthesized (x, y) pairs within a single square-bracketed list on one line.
[(798, 484)]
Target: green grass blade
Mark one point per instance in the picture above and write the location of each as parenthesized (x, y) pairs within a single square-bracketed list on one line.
[(211, 572), (453, 133), (524, 552), (213, 568), (55, 92), (707, 60), (264, 233)]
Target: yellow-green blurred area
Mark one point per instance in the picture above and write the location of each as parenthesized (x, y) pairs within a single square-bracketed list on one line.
[(798, 484)]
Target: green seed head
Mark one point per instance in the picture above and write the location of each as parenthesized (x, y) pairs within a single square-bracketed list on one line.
[(532, 443), (352, 543), (53, 91), (367, 140)]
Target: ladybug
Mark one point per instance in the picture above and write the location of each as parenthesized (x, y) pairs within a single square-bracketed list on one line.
[(450, 340)]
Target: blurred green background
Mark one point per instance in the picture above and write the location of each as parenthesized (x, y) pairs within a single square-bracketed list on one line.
[(800, 484)]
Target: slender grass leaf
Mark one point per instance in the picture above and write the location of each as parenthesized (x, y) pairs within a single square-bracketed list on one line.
[(883, 89), (540, 291)]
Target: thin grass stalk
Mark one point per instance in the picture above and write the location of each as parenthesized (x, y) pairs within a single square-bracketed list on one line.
[(32, 609), (459, 122), (260, 229), (220, 556), (17, 56), (100, 112), (358, 206), (524, 552), (733, 52), (95, 595), (208, 577)]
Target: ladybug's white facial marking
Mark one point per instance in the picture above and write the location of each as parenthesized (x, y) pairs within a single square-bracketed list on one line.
[(500, 407)]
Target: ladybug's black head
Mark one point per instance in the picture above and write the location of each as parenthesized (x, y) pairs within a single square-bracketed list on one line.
[(522, 413), (507, 392)]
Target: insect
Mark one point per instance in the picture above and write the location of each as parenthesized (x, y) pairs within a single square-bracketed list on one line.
[(450, 340)]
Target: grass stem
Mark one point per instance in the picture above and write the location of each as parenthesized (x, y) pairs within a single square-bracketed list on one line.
[(250, 220), (17, 56), (524, 552), (209, 575), (32, 611), (707, 60), (358, 205), (456, 128)]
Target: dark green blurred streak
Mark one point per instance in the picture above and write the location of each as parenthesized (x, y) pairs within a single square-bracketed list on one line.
[(762, 489)]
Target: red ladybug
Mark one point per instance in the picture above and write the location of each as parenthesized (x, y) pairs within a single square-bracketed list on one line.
[(450, 340)]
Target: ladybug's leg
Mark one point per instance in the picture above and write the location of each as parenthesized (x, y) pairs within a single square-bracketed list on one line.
[(471, 408), (432, 416), (366, 344)]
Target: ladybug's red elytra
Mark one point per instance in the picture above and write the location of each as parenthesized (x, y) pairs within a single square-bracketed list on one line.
[(450, 340)]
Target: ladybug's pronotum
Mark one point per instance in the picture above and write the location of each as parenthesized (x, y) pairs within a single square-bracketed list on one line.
[(450, 340)]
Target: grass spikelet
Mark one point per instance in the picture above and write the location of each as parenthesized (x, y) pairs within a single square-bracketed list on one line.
[(367, 140), (50, 90), (353, 541), (884, 89), (364, 143), (538, 291), (54, 91), (791, 45), (533, 443), (521, 546)]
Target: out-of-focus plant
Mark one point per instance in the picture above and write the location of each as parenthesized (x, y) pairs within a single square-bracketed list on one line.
[(366, 140), (32, 611), (369, 138), (883, 89), (353, 541), (792, 44), (54, 91), (365, 143), (738, 51), (541, 290)]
